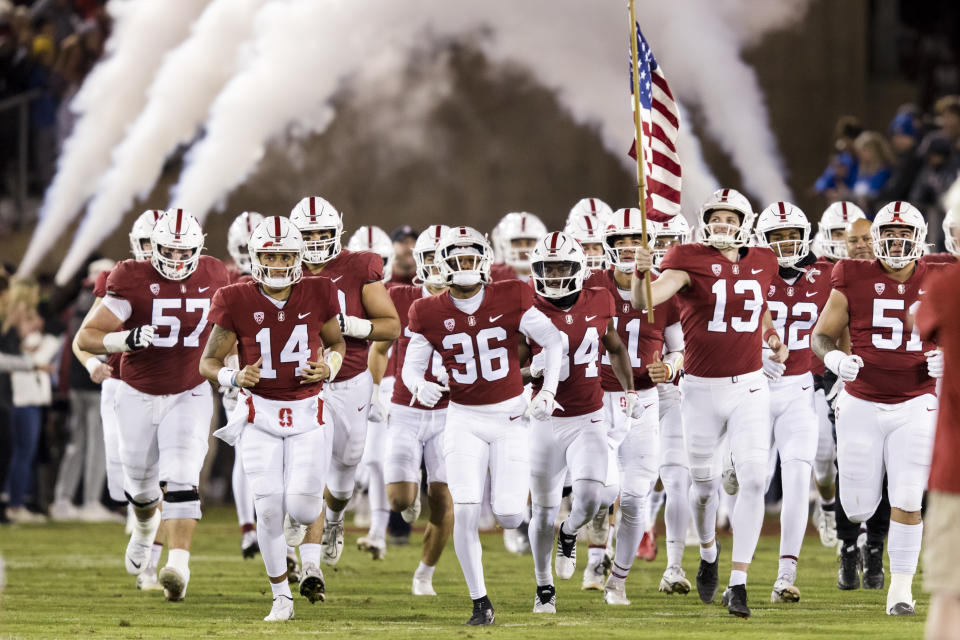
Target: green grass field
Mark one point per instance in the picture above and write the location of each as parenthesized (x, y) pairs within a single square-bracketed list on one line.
[(68, 581)]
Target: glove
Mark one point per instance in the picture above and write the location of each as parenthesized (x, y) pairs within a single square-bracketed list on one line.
[(542, 406), (633, 408), (846, 367), (771, 369), (442, 376), (935, 363), (353, 326), (429, 393), (536, 365), (140, 338), (378, 413)]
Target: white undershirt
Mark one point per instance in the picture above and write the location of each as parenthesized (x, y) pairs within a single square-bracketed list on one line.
[(471, 304)]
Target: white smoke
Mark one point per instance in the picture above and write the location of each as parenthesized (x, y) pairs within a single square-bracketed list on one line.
[(178, 100), (113, 95)]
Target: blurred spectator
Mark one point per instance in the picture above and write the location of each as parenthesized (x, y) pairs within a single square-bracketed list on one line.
[(404, 268), (78, 53), (874, 167), (932, 182), (842, 169), (904, 133), (43, 110), (59, 14)]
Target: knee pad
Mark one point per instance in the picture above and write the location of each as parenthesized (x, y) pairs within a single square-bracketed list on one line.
[(509, 521), (144, 503), (752, 477), (704, 489), (633, 509), (906, 497), (304, 508), (181, 502), (341, 480), (702, 474), (608, 495), (269, 511)]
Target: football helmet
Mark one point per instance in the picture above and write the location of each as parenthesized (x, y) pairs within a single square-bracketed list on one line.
[(373, 238), (142, 228), (176, 229), (275, 234), (898, 214), (237, 236), (951, 231), (426, 246), (676, 230), (624, 222), (517, 226), (463, 257), (721, 236), (587, 230), (784, 215), (558, 248), (313, 213), (591, 207), (836, 217)]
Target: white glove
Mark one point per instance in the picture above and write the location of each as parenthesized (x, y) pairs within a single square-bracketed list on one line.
[(542, 406), (771, 369), (353, 326), (378, 413), (536, 365), (429, 393), (442, 376), (132, 340), (633, 408), (935, 363), (846, 367)]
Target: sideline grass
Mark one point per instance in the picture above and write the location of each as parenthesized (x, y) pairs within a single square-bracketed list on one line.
[(68, 581)]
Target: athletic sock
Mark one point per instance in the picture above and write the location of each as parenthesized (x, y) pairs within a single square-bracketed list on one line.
[(310, 553), (738, 577), (179, 559), (333, 516), (709, 554), (424, 571), (281, 589)]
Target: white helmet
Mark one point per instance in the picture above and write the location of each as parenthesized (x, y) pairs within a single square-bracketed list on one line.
[(427, 241), (591, 207), (727, 200), (239, 234), (142, 228), (676, 229), (951, 229), (459, 243), (373, 238), (898, 214), (558, 247), (624, 222), (275, 234), (517, 226), (836, 217), (784, 215), (313, 213), (176, 229), (587, 229)]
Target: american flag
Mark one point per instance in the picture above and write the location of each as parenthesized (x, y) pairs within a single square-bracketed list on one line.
[(661, 122)]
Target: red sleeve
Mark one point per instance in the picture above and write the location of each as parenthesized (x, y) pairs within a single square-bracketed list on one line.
[(328, 294), (220, 312), (930, 314), (527, 296), (837, 279), (413, 316), (673, 259), (100, 286), (374, 268), (119, 275)]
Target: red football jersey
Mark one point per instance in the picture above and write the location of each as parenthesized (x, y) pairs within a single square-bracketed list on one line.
[(349, 272), (500, 271), (403, 297), (642, 339), (479, 350), (582, 326), (939, 258), (795, 309), (100, 290), (825, 266), (721, 311), (237, 277), (894, 367), (178, 309), (285, 337)]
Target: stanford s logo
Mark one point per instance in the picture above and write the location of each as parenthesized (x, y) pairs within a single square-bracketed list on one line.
[(258, 316), (568, 318), (772, 291), (471, 321), (736, 269), (901, 289), (155, 288), (716, 269), (449, 324), (183, 288), (281, 316), (879, 287), (286, 417), (790, 291)]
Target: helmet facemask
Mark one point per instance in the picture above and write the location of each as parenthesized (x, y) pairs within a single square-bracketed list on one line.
[(464, 265), (557, 278), (269, 268), (898, 244), (175, 268), (724, 234), (321, 250), (789, 244), (621, 250)]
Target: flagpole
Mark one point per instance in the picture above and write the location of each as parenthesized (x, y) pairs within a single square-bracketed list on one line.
[(638, 126)]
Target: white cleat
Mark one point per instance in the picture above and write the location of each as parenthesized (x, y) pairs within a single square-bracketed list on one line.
[(174, 583), (598, 529), (730, 483), (674, 580), (827, 527), (615, 593), (516, 541), (376, 546), (411, 513), (566, 556), (293, 531), (546, 600), (137, 555), (422, 586), (331, 545), (900, 602), (594, 576), (784, 590), (282, 610), (147, 580), (131, 520)]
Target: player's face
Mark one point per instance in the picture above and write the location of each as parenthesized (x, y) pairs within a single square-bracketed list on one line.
[(177, 255), (899, 240), (725, 221), (145, 245), (838, 235), (316, 235), (464, 262), (785, 242), (625, 244), (523, 247), (278, 260), (427, 257), (593, 249), (403, 255), (559, 269), (662, 243)]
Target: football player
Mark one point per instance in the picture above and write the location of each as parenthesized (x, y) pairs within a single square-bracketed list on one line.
[(574, 438), (366, 313), (513, 239), (156, 314), (887, 410), (720, 284), (287, 336), (591, 207), (587, 230), (476, 327)]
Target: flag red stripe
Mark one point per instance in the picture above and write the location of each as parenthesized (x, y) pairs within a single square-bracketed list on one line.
[(663, 190)]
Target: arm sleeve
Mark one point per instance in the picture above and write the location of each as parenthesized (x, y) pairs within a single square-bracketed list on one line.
[(415, 362), (673, 259), (929, 317), (100, 286), (837, 280), (374, 271), (536, 326), (673, 337), (115, 300), (219, 312)]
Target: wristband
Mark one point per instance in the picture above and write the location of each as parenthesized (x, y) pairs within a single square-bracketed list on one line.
[(334, 361), (227, 377), (770, 332), (92, 363), (116, 342)]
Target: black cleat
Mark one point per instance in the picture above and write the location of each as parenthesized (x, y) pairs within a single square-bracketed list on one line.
[(482, 613), (708, 578), (250, 551), (872, 558), (902, 609), (735, 600), (312, 586), (849, 576)]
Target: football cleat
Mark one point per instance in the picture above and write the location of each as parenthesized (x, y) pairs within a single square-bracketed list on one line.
[(411, 513), (826, 521), (615, 592), (174, 583), (147, 580), (566, 562), (598, 529), (848, 578), (647, 549), (872, 559), (422, 586), (331, 545), (902, 609), (282, 610), (293, 566), (735, 600), (137, 555), (376, 546), (249, 546), (516, 540), (312, 586), (293, 531), (482, 613), (708, 578), (784, 590), (595, 575), (546, 600), (674, 580)]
